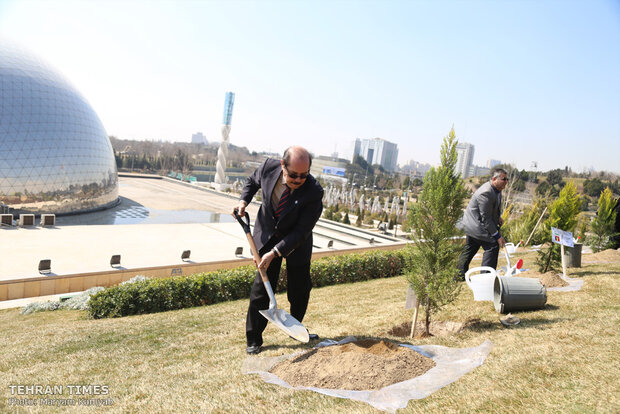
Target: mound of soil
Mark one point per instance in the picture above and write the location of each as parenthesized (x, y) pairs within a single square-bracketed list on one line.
[(605, 256), (363, 365), (549, 279), (438, 328)]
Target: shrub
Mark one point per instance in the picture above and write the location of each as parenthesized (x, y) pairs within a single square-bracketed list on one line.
[(360, 218), (346, 219), (157, 295), (603, 226), (520, 228), (77, 302), (563, 214)]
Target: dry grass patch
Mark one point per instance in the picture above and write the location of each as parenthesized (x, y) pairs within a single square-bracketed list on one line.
[(564, 358)]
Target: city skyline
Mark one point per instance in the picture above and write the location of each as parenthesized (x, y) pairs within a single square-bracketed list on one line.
[(523, 82)]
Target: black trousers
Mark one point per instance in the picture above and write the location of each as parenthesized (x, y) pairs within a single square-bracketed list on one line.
[(472, 245), (298, 289)]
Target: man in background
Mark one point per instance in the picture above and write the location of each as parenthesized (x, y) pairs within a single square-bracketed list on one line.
[(482, 221)]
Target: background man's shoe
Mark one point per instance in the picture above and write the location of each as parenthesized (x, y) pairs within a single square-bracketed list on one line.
[(253, 349)]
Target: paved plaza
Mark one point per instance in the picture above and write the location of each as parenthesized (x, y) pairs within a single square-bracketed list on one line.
[(155, 222)]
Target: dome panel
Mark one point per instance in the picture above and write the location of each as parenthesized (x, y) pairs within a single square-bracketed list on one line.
[(55, 156)]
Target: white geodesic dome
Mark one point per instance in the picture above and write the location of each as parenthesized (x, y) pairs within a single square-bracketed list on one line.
[(55, 156)]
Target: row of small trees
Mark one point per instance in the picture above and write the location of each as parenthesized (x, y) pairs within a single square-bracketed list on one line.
[(563, 214), (432, 263)]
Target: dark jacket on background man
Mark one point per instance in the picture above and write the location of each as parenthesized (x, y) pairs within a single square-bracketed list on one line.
[(481, 218)]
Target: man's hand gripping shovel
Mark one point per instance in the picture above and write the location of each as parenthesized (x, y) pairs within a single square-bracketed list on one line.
[(278, 317)]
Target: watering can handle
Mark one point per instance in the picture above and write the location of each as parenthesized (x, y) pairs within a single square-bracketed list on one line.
[(508, 266), (477, 270)]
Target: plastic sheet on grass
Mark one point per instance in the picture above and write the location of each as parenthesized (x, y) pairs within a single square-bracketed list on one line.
[(451, 364), (573, 285)]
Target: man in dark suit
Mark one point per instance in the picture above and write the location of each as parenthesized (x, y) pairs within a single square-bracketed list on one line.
[(482, 221), (291, 206)]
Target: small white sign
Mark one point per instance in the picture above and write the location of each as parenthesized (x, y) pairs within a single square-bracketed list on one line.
[(411, 301), (562, 237)]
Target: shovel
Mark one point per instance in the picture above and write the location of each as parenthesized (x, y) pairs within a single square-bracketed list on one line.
[(278, 317)]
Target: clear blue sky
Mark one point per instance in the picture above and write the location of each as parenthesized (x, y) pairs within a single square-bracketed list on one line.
[(521, 80)]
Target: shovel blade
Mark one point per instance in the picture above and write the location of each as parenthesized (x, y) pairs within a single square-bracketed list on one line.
[(287, 323)]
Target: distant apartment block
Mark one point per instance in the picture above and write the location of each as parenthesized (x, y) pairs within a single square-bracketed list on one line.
[(465, 154), (478, 171), (199, 138), (415, 169), (492, 163), (377, 151)]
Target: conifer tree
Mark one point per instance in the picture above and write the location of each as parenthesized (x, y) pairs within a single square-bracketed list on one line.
[(432, 263), (563, 214), (603, 226)]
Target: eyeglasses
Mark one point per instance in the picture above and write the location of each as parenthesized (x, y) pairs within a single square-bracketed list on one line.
[(295, 176), (504, 179)]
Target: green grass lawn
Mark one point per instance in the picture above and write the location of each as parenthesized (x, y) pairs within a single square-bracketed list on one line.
[(564, 358)]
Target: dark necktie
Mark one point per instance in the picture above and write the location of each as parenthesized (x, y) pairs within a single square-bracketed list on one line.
[(283, 200)]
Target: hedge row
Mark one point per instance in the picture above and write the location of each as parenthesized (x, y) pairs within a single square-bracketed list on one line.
[(157, 295)]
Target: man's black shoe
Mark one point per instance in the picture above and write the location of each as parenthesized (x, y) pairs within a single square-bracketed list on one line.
[(313, 337), (253, 349)]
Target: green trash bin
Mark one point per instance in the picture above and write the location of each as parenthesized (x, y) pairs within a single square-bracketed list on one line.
[(572, 255), (512, 294)]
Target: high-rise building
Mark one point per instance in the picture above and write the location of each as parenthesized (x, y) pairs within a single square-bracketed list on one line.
[(377, 151), (199, 138), (492, 163), (355, 148), (465, 154)]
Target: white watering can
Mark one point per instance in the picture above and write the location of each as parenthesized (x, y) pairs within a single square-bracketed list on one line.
[(481, 280), (509, 270), (510, 248)]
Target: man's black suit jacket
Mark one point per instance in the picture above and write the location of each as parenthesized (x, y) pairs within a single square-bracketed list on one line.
[(293, 231)]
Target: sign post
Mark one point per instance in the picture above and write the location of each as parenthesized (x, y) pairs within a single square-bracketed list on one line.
[(563, 238)]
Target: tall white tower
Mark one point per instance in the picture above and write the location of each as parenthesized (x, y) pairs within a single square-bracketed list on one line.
[(465, 158), (221, 181)]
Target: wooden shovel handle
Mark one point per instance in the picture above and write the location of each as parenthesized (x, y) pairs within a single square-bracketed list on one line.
[(246, 228), (257, 257)]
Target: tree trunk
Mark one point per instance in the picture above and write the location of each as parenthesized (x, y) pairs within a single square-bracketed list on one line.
[(428, 316), (549, 258)]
